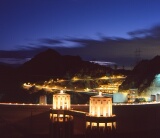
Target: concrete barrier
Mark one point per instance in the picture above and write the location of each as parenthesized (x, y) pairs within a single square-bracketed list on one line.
[(33, 120)]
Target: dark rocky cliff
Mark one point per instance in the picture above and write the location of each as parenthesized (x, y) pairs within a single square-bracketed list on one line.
[(142, 75)]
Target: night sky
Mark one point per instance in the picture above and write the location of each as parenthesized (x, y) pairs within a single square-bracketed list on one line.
[(105, 30)]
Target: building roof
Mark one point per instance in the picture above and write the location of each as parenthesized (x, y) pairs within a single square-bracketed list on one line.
[(100, 96), (61, 93)]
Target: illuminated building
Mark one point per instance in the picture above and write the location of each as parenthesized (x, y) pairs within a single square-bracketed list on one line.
[(43, 99), (61, 122), (132, 95), (61, 101), (158, 97), (153, 98), (97, 107), (100, 121), (113, 84)]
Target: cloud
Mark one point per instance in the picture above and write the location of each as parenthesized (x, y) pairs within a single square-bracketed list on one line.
[(50, 41), (118, 50), (25, 52), (110, 49), (21, 55), (139, 33), (153, 32)]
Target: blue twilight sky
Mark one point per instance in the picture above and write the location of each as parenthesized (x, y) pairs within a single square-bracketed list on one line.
[(108, 30)]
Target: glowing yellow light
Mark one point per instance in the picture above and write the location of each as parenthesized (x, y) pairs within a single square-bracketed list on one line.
[(94, 124), (61, 115), (102, 124)]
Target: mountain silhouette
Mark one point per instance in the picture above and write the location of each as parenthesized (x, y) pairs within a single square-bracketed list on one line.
[(142, 75), (51, 64), (42, 67)]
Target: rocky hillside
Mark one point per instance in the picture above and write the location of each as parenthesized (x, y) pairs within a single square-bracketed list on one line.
[(51, 64), (44, 66), (142, 75)]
